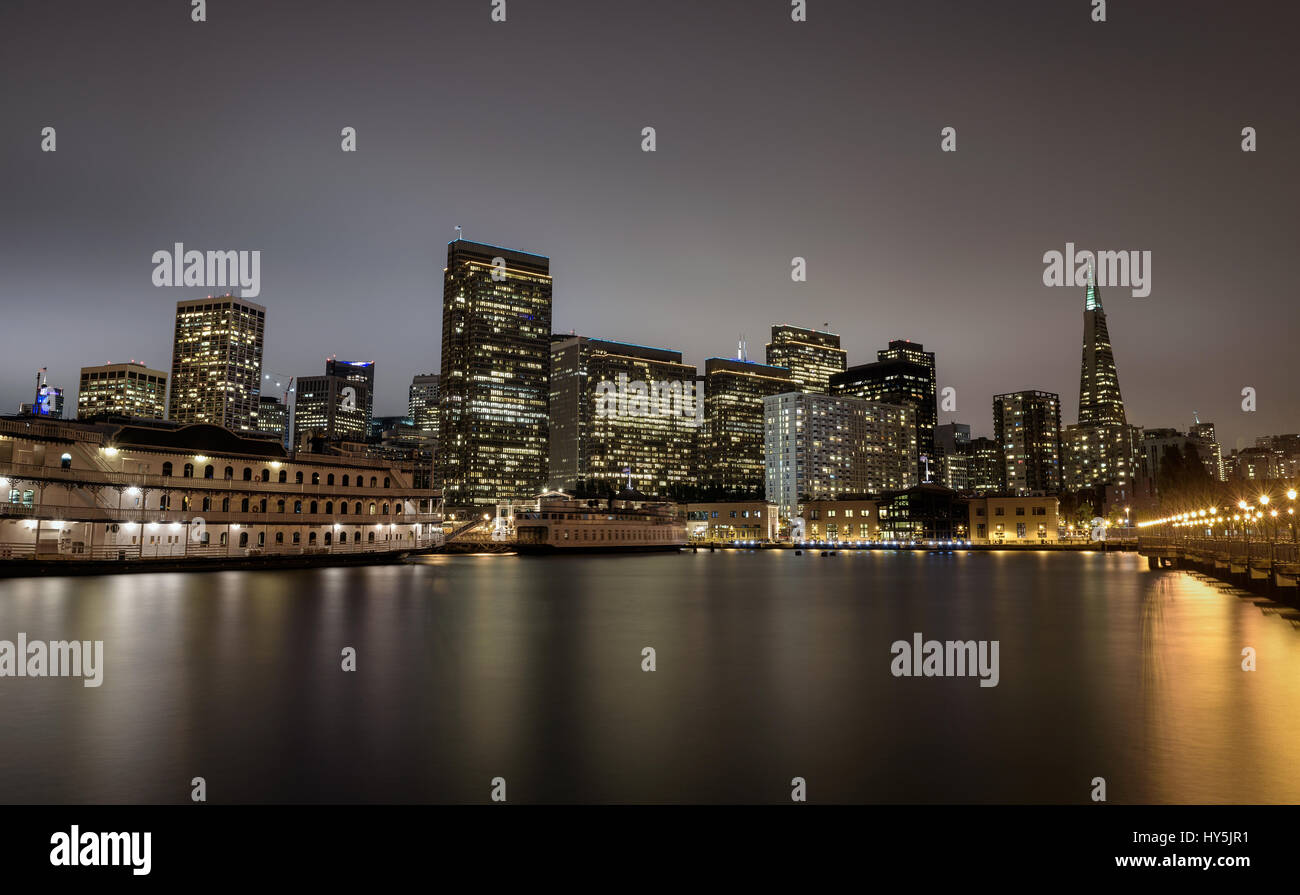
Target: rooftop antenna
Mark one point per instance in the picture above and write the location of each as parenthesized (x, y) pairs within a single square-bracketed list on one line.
[(459, 233), (1195, 417)]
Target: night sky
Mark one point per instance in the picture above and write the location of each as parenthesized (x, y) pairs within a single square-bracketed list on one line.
[(775, 139)]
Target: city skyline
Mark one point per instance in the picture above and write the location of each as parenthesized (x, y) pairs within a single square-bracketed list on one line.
[(708, 224)]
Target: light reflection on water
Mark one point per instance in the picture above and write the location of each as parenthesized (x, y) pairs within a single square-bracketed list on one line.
[(769, 666)]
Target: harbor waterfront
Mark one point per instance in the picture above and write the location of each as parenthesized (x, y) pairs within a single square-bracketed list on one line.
[(768, 665)]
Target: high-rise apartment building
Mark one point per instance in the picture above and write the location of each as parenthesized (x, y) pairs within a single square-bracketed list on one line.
[(494, 386), (811, 356), (422, 405), (1028, 426), (217, 361), (821, 447)]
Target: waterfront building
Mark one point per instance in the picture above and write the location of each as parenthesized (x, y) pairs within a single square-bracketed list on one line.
[(1014, 520), (731, 452), (848, 520), (818, 447), (812, 356), (129, 389), (904, 373), (622, 413), (1027, 425), (494, 386), (732, 520), (145, 490), (217, 362), (624, 522), (922, 513)]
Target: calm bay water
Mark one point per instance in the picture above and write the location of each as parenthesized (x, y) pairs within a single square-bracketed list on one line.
[(769, 666)]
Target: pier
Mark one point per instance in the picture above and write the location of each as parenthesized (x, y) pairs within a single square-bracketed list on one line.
[(1266, 566)]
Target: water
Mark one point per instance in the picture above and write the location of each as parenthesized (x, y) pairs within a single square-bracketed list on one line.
[(769, 666)]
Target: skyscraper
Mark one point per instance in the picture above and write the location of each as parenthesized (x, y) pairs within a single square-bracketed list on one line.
[(217, 361), (951, 463), (335, 406), (1102, 449), (495, 379), (1028, 427), (811, 356), (129, 389), (731, 454), (422, 405), (904, 373), (618, 411), (820, 447)]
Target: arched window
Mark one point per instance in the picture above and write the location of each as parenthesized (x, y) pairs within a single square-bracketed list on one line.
[(385, 509), (207, 504), (263, 505), (361, 482), (345, 481), (329, 538), (185, 502), (297, 506), (230, 472), (164, 502), (243, 539), (371, 538), (297, 537), (167, 468), (343, 537), (261, 539), (279, 537), (315, 478), (266, 475), (284, 476), (279, 506), (225, 504), (358, 508), (329, 507), (243, 505), (248, 473), (398, 509), (311, 538), (298, 477), (189, 470), (207, 471), (329, 479), (225, 538), (313, 508), (372, 481), (388, 482), (372, 508)]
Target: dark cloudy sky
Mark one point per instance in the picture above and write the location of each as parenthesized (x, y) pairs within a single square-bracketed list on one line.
[(775, 139)]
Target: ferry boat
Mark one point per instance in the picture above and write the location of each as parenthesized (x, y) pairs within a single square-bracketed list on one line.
[(564, 523)]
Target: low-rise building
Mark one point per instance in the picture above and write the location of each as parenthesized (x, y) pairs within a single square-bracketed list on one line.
[(1014, 520), (733, 520)]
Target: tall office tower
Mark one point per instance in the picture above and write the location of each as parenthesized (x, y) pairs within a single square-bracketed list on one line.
[(618, 411), (217, 361), (731, 449), (495, 380), (903, 373), (820, 447), (1028, 426), (1102, 449), (1215, 466), (422, 406), (272, 417), (951, 464), (811, 356), (987, 469), (129, 389), (360, 374), (335, 406)]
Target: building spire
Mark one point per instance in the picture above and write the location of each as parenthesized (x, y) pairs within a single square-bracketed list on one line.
[(1091, 295)]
